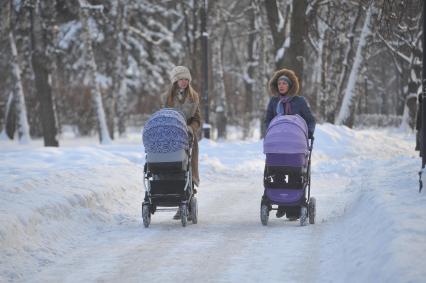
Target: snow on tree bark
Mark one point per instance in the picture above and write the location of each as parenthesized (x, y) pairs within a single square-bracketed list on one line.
[(91, 71), (9, 120), (218, 79), (278, 25), (349, 96), (18, 94), (16, 110), (343, 76), (120, 83)]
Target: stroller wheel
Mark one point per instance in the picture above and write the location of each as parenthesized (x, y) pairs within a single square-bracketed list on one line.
[(264, 214), (146, 215), (183, 214), (303, 215), (312, 210), (194, 210)]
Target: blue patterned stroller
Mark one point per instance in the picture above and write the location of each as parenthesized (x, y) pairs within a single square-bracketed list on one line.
[(167, 171)]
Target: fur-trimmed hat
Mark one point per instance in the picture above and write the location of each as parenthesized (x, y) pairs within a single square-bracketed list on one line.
[(180, 73), (293, 89)]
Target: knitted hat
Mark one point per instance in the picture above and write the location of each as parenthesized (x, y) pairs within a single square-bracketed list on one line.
[(286, 79), (179, 73)]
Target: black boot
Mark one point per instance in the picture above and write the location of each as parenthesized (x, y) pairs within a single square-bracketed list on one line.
[(280, 212), (177, 215)]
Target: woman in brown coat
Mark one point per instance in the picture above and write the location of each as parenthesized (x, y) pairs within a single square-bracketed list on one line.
[(183, 97)]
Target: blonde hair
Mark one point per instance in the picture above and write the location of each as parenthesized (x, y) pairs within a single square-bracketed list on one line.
[(171, 94)]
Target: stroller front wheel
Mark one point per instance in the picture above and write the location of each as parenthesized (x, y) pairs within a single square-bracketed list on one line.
[(264, 214)]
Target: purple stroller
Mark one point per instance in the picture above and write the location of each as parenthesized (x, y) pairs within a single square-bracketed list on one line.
[(287, 177)]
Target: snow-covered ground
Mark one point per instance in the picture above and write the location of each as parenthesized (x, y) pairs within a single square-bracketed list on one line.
[(72, 214)]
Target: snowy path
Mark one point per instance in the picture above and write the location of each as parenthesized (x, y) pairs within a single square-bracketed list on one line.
[(369, 225)]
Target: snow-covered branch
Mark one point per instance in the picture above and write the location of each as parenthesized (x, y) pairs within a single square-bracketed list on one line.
[(396, 52)]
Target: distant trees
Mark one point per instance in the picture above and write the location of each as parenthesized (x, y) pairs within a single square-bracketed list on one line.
[(103, 65)]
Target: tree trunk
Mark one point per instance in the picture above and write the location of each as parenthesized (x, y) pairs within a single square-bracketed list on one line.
[(41, 62), (91, 70), (18, 94), (9, 119), (347, 57), (218, 80), (294, 56), (120, 85), (249, 72), (349, 97), (277, 24)]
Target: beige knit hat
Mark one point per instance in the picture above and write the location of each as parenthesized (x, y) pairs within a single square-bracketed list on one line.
[(179, 73)]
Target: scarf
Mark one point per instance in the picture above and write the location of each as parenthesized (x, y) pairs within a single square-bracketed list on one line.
[(284, 102)]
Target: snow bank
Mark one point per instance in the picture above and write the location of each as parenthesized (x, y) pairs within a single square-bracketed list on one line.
[(55, 196)]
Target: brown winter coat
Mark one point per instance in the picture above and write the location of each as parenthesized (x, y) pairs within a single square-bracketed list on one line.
[(190, 106)]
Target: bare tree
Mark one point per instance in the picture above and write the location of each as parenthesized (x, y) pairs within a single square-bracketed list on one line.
[(219, 93), (346, 111), (16, 106), (91, 71), (278, 25), (400, 32), (120, 81), (294, 57), (43, 31), (18, 94)]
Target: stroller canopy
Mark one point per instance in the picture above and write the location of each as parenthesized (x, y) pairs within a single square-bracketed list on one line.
[(165, 132), (286, 134)]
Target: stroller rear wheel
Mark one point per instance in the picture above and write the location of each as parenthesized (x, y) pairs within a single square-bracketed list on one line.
[(303, 215), (183, 214), (312, 210), (146, 214), (194, 210), (264, 214)]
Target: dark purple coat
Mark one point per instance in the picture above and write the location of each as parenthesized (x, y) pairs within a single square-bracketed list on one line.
[(298, 106)]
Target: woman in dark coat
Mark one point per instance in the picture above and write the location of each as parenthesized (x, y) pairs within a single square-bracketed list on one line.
[(285, 100)]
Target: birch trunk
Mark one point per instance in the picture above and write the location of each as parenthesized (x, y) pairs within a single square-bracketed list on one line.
[(261, 71), (249, 72), (18, 94), (347, 55), (120, 85), (349, 97), (91, 71), (218, 79), (9, 120)]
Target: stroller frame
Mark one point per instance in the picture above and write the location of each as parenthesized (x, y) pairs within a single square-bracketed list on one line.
[(166, 190)]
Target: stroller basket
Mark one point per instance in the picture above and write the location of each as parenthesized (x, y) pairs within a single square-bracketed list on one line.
[(167, 192), (167, 162)]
